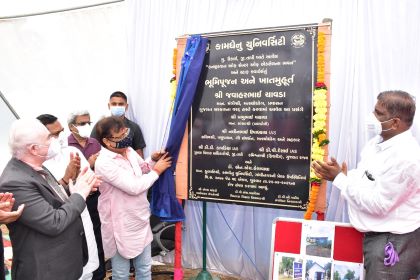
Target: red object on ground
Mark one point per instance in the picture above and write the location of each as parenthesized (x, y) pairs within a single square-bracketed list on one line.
[(178, 272)]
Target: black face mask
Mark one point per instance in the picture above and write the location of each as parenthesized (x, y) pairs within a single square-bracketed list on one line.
[(124, 143)]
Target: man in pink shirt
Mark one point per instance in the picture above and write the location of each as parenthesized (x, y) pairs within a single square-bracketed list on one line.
[(123, 205)]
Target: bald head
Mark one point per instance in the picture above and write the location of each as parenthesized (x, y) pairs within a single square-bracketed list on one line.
[(24, 132)]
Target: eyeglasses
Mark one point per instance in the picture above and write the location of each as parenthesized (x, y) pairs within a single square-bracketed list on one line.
[(83, 123), (57, 133), (119, 138)]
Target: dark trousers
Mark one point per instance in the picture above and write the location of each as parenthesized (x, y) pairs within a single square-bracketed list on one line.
[(92, 206), (408, 248)]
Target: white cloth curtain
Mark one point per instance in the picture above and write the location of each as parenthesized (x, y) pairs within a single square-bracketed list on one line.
[(374, 48)]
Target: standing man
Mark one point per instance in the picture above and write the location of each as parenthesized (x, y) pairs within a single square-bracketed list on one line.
[(383, 192), (67, 161), (47, 239), (118, 106), (80, 126)]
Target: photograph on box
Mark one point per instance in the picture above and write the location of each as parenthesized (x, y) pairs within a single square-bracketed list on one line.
[(317, 239), (316, 251), (288, 267), (347, 270), (317, 268)]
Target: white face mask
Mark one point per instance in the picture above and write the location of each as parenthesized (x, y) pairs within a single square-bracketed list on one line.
[(374, 126), (84, 131), (53, 149), (62, 139)]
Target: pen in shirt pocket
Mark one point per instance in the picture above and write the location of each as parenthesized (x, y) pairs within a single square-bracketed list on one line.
[(369, 176)]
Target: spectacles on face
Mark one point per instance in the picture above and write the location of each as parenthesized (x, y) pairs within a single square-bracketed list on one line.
[(57, 133), (46, 142), (83, 123), (115, 139)]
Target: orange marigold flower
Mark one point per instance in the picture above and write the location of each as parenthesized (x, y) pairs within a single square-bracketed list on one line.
[(322, 137)]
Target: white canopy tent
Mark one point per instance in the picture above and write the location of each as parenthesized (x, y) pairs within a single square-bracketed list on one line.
[(57, 62)]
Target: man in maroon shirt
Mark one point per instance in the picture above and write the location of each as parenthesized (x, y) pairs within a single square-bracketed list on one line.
[(80, 127)]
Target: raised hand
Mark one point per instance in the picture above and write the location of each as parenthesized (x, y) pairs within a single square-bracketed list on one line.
[(343, 165), (157, 155), (73, 168), (87, 182), (164, 162), (6, 204), (92, 160), (6, 201), (327, 170)]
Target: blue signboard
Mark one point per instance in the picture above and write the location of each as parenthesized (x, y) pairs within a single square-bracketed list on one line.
[(297, 270)]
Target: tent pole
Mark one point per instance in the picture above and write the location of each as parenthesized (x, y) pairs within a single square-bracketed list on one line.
[(204, 274), (8, 105)]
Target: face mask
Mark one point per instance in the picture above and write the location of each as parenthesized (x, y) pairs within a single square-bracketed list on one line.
[(53, 149), (117, 111), (62, 140), (124, 143), (374, 126), (84, 131)]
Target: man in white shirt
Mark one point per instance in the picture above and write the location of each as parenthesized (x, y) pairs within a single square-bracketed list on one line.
[(64, 166), (383, 192)]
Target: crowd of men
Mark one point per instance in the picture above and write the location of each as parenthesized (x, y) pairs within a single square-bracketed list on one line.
[(49, 195), (49, 191)]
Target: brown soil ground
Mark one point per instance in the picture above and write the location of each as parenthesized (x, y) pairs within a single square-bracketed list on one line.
[(164, 272)]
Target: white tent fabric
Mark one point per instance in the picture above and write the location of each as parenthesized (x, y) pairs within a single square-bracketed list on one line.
[(59, 62), (12, 8), (64, 61)]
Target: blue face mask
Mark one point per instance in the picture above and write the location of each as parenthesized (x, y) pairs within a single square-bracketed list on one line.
[(117, 111), (124, 143)]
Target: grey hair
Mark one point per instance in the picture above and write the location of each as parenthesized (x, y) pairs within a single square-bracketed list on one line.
[(24, 132), (73, 115)]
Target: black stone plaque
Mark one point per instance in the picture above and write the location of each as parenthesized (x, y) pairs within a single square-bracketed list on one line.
[(250, 138)]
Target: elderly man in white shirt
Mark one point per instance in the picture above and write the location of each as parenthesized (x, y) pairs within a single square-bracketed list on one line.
[(383, 192), (65, 166)]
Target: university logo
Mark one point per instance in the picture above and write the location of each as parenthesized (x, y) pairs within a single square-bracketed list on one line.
[(298, 40)]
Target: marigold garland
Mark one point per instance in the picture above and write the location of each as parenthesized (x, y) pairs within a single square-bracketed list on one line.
[(319, 129), (173, 79)]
